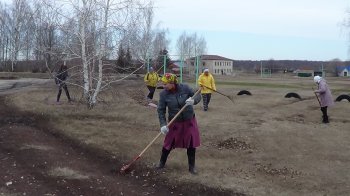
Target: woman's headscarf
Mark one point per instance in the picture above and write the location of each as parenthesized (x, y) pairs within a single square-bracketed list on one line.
[(169, 78), (317, 79)]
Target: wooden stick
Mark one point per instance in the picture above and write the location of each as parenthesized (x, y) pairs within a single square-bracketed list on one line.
[(230, 97), (316, 96)]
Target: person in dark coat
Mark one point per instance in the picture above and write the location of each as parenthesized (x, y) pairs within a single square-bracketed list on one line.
[(60, 79), (325, 96), (183, 132)]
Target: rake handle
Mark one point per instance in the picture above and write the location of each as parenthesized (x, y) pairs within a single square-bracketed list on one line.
[(213, 90), (316, 96), (217, 92)]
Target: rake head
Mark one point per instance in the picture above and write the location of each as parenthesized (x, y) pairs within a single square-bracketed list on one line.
[(125, 168), (230, 97)]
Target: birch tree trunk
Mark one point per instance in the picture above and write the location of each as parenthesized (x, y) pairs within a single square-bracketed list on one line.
[(102, 53), (82, 26)]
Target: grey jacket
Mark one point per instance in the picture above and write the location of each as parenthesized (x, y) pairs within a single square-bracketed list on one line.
[(325, 94), (175, 101)]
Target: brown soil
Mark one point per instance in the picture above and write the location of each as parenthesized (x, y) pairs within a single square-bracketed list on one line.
[(36, 160)]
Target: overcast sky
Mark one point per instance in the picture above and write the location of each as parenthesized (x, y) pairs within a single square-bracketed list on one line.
[(261, 29)]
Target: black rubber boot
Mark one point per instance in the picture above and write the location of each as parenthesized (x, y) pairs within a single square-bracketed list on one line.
[(163, 158), (191, 154), (325, 119)]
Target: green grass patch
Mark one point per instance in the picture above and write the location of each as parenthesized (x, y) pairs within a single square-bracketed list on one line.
[(256, 84), (261, 85)]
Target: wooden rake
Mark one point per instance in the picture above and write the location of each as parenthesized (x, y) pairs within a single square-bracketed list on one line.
[(316, 96), (127, 166), (230, 97)]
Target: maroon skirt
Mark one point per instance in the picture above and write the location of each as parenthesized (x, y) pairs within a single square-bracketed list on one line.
[(183, 134)]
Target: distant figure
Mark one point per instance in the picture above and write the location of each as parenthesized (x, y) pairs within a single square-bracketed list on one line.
[(325, 96), (151, 79), (60, 79), (206, 80)]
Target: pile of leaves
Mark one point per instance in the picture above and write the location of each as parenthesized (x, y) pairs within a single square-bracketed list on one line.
[(284, 171), (233, 143)]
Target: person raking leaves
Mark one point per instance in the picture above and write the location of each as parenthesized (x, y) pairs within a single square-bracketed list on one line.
[(184, 132)]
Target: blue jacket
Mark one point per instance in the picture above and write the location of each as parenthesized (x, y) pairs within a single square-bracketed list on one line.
[(175, 101)]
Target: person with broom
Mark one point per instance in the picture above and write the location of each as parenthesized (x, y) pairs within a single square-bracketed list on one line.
[(325, 95), (184, 132), (206, 80)]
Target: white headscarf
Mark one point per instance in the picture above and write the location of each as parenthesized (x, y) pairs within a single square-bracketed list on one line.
[(317, 79)]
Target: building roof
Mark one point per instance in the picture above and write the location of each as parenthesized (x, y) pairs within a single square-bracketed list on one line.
[(213, 57), (342, 68)]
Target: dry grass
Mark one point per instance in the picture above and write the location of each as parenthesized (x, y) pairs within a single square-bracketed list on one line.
[(35, 147), (67, 173), (291, 152)]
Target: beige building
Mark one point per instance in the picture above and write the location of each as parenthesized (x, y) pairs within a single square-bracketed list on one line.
[(217, 65)]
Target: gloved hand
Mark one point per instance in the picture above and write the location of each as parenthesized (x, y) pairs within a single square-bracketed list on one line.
[(190, 101), (164, 129)]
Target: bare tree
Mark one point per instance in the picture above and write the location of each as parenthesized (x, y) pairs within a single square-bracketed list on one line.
[(190, 45), (147, 34), (46, 44), (141, 40), (90, 30), (160, 42), (86, 32), (3, 35), (333, 65), (17, 22)]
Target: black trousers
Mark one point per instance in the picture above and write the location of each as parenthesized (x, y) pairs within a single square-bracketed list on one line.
[(151, 91), (206, 99), (191, 155), (64, 86), (324, 115)]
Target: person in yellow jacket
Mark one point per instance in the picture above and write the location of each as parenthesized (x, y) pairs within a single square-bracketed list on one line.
[(206, 80), (151, 79)]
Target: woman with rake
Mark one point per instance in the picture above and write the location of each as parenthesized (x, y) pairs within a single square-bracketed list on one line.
[(206, 80), (325, 95), (183, 133)]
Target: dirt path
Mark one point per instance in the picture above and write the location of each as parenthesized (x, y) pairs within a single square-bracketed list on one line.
[(36, 160), (16, 85)]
